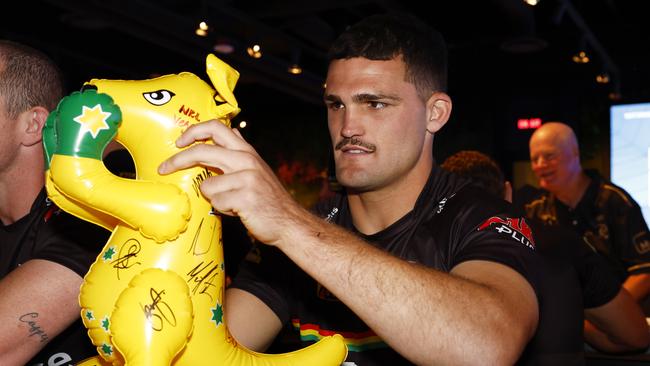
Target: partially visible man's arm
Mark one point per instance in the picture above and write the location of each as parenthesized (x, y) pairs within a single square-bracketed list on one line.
[(633, 239), (638, 285), (38, 301), (250, 321), (617, 326)]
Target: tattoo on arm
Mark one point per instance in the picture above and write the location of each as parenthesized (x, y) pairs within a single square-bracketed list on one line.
[(34, 329)]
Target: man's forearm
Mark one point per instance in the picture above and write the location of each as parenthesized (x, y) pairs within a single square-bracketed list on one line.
[(604, 342), (617, 326), (28, 320), (426, 315)]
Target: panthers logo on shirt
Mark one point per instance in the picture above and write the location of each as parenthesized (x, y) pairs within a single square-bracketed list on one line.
[(517, 228)]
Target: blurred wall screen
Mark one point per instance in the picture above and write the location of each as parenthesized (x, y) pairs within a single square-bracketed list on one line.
[(630, 151)]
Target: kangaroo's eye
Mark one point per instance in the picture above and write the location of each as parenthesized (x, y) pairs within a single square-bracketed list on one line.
[(158, 97)]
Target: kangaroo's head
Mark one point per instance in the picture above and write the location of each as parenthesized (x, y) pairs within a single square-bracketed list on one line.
[(156, 111)]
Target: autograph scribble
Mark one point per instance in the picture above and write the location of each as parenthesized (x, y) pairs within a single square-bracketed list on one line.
[(204, 277), (193, 248), (124, 261), (34, 328), (159, 312), (196, 182)]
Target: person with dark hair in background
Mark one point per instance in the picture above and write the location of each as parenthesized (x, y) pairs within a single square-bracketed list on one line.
[(604, 214), (44, 252), (576, 278), (408, 263)]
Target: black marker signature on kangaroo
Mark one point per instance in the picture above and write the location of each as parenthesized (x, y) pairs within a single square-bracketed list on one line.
[(159, 312), (204, 277), (125, 259)]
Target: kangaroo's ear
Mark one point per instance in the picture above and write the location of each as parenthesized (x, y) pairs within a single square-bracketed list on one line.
[(223, 77)]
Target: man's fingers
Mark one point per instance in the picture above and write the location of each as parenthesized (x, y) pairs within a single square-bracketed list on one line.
[(200, 154), (216, 131), (220, 190), (227, 148), (236, 131), (199, 132)]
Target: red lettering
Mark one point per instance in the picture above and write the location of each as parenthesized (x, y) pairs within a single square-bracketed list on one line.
[(181, 122), (191, 113)]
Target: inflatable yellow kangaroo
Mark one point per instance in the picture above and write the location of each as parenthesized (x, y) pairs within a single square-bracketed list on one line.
[(155, 294)]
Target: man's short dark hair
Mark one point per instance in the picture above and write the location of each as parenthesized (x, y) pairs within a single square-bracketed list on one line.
[(28, 78), (479, 168), (386, 36)]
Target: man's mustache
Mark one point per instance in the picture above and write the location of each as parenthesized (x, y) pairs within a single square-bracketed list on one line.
[(355, 141)]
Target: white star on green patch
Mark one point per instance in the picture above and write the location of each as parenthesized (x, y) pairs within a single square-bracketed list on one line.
[(217, 314), (108, 254)]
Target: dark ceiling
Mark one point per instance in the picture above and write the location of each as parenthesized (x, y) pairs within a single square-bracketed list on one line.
[(507, 59)]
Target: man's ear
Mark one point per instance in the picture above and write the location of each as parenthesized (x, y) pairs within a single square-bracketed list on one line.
[(32, 122), (438, 111), (507, 191)]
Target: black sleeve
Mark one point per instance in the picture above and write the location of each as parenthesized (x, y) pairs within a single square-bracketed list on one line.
[(598, 281), (69, 241), (490, 244), (493, 233), (631, 234), (266, 273)]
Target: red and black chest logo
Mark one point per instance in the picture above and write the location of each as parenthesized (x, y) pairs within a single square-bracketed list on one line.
[(517, 228)]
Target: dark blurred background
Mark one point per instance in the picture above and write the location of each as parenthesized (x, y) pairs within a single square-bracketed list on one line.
[(509, 61)]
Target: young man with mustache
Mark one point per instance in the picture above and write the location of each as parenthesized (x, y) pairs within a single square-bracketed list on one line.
[(408, 263)]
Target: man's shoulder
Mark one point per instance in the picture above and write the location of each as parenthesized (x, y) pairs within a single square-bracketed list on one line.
[(608, 193), (612, 194), (447, 193), (471, 205)]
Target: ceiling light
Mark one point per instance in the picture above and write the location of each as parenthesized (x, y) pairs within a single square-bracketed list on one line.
[(580, 57), (254, 51), (295, 69), (602, 78), (532, 2), (242, 124), (202, 29)]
